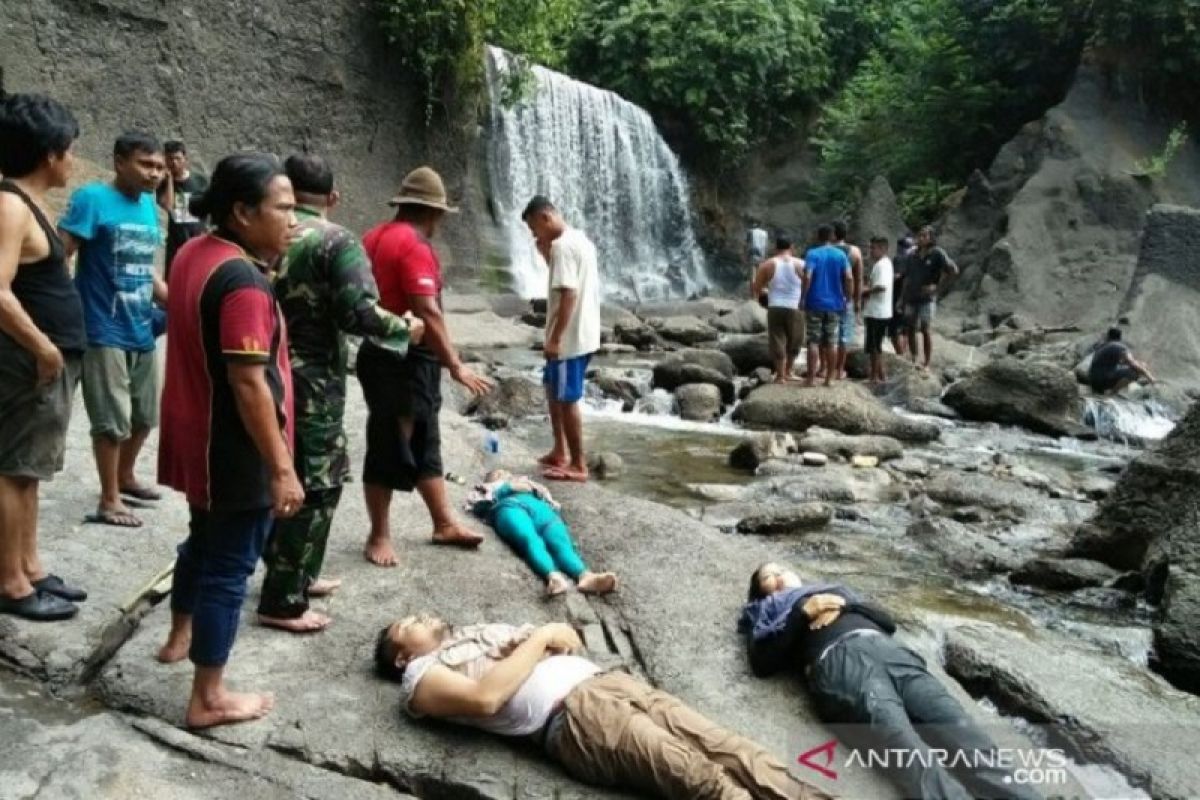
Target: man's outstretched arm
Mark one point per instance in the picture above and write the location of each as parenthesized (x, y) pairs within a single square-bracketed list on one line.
[(442, 692)]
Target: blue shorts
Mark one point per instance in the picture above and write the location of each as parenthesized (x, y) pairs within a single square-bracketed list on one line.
[(846, 326), (564, 378)]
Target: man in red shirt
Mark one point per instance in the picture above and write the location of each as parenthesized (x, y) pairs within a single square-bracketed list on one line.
[(403, 393)]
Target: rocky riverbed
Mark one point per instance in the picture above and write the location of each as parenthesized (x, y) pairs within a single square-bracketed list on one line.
[(963, 530)]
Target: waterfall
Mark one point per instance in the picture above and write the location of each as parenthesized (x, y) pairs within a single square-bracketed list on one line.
[(600, 159), (1127, 420)]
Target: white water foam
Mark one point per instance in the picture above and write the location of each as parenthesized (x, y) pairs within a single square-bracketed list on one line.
[(1126, 420)]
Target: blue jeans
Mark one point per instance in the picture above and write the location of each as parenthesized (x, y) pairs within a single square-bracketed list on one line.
[(214, 563), (536, 531)]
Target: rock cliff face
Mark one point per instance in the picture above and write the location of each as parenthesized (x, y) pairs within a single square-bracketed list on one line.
[(1052, 230), (224, 75)]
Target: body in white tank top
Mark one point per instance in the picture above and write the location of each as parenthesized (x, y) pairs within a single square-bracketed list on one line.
[(785, 287)]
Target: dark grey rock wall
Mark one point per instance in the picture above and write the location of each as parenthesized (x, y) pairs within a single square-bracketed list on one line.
[(225, 75)]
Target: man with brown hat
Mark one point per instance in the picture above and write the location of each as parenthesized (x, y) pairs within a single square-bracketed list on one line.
[(403, 392)]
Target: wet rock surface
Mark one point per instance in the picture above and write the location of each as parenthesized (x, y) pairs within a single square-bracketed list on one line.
[(845, 407), (1035, 395), (1120, 715), (801, 517), (1063, 574)]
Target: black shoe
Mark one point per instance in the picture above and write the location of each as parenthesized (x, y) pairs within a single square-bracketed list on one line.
[(39, 607), (52, 584)]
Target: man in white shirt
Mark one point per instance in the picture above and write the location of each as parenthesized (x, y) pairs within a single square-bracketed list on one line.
[(605, 729), (572, 332), (878, 305)]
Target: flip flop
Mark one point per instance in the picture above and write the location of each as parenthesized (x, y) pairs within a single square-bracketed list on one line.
[(115, 518), (54, 585), (133, 502), (145, 493), (556, 474), (38, 607)]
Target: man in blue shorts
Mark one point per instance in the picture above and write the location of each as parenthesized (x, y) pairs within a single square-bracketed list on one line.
[(828, 288), (572, 332)]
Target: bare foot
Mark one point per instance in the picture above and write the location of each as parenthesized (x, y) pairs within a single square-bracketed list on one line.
[(556, 584), (175, 650), (380, 553), (780, 380), (576, 474), (808, 383), (597, 582), (322, 587), (456, 535), (228, 708), (553, 460), (308, 622)]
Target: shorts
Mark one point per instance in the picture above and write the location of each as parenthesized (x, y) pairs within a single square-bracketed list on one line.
[(846, 326), (1106, 382), (823, 327), (920, 315), (120, 391), (397, 388), (785, 332), (877, 330), (33, 419), (896, 325), (564, 378)]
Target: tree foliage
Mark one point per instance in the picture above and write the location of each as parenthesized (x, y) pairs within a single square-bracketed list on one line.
[(719, 75), (442, 41)]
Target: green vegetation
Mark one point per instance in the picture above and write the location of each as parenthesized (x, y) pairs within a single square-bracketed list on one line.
[(1156, 166), (920, 91)]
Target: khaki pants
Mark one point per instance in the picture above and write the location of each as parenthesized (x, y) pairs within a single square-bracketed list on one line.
[(618, 731)]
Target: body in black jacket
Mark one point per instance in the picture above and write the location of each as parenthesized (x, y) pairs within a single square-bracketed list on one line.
[(877, 693)]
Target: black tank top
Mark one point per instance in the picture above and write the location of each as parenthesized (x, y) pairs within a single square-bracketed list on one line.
[(45, 289)]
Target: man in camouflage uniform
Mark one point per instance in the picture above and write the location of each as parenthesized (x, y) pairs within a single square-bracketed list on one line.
[(326, 290)]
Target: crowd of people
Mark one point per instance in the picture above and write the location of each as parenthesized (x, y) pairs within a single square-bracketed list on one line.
[(823, 296), (258, 295)]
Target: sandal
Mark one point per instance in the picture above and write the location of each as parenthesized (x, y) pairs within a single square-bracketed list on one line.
[(146, 494), (52, 584), (38, 607), (118, 519)]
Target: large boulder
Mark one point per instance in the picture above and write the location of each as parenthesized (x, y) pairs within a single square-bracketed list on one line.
[(513, 396), (637, 334), (612, 315), (973, 489), (699, 402), (844, 407), (1177, 633), (679, 308), (749, 317), (1104, 706), (964, 550), (759, 448), (687, 330), (616, 384), (878, 214), (1038, 396), (696, 366), (748, 353), (1162, 300)]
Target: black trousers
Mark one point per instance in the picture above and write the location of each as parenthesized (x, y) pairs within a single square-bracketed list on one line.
[(879, 697)]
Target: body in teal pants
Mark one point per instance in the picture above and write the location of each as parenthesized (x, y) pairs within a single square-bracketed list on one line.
[(526, 517)]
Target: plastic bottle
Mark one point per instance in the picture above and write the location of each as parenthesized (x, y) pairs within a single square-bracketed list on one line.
[(491, 449)]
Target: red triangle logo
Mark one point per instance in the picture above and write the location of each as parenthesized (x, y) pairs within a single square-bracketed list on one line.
[(821, 759)]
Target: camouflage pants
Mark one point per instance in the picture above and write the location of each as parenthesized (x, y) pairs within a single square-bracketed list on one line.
[(294, 555)]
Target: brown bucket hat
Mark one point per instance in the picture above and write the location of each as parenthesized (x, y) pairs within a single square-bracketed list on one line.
[(423, 187)]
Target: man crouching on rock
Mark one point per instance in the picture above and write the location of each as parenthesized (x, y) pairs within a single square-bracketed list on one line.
[(863, 679), (604, 728)]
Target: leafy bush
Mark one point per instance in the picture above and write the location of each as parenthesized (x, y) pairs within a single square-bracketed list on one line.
[(720, 76), (1156, 166), (442, 41)]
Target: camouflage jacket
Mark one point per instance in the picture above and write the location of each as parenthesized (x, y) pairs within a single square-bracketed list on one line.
[(326, 290)]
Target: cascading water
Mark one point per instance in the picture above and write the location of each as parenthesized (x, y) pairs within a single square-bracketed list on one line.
[(600, 159), (1128, 420)]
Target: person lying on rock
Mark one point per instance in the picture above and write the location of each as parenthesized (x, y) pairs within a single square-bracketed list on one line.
[(604, 728), (861, 678), (526, 516)]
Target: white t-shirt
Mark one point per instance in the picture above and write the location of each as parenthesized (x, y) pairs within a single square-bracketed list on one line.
[(529, 709), (879, 304), (573, 266)]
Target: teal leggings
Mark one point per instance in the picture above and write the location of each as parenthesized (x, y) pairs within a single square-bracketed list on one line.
[(536, 531)]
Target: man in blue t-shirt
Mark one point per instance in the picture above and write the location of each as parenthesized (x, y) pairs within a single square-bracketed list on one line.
[(114, 227), (828, 283)]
